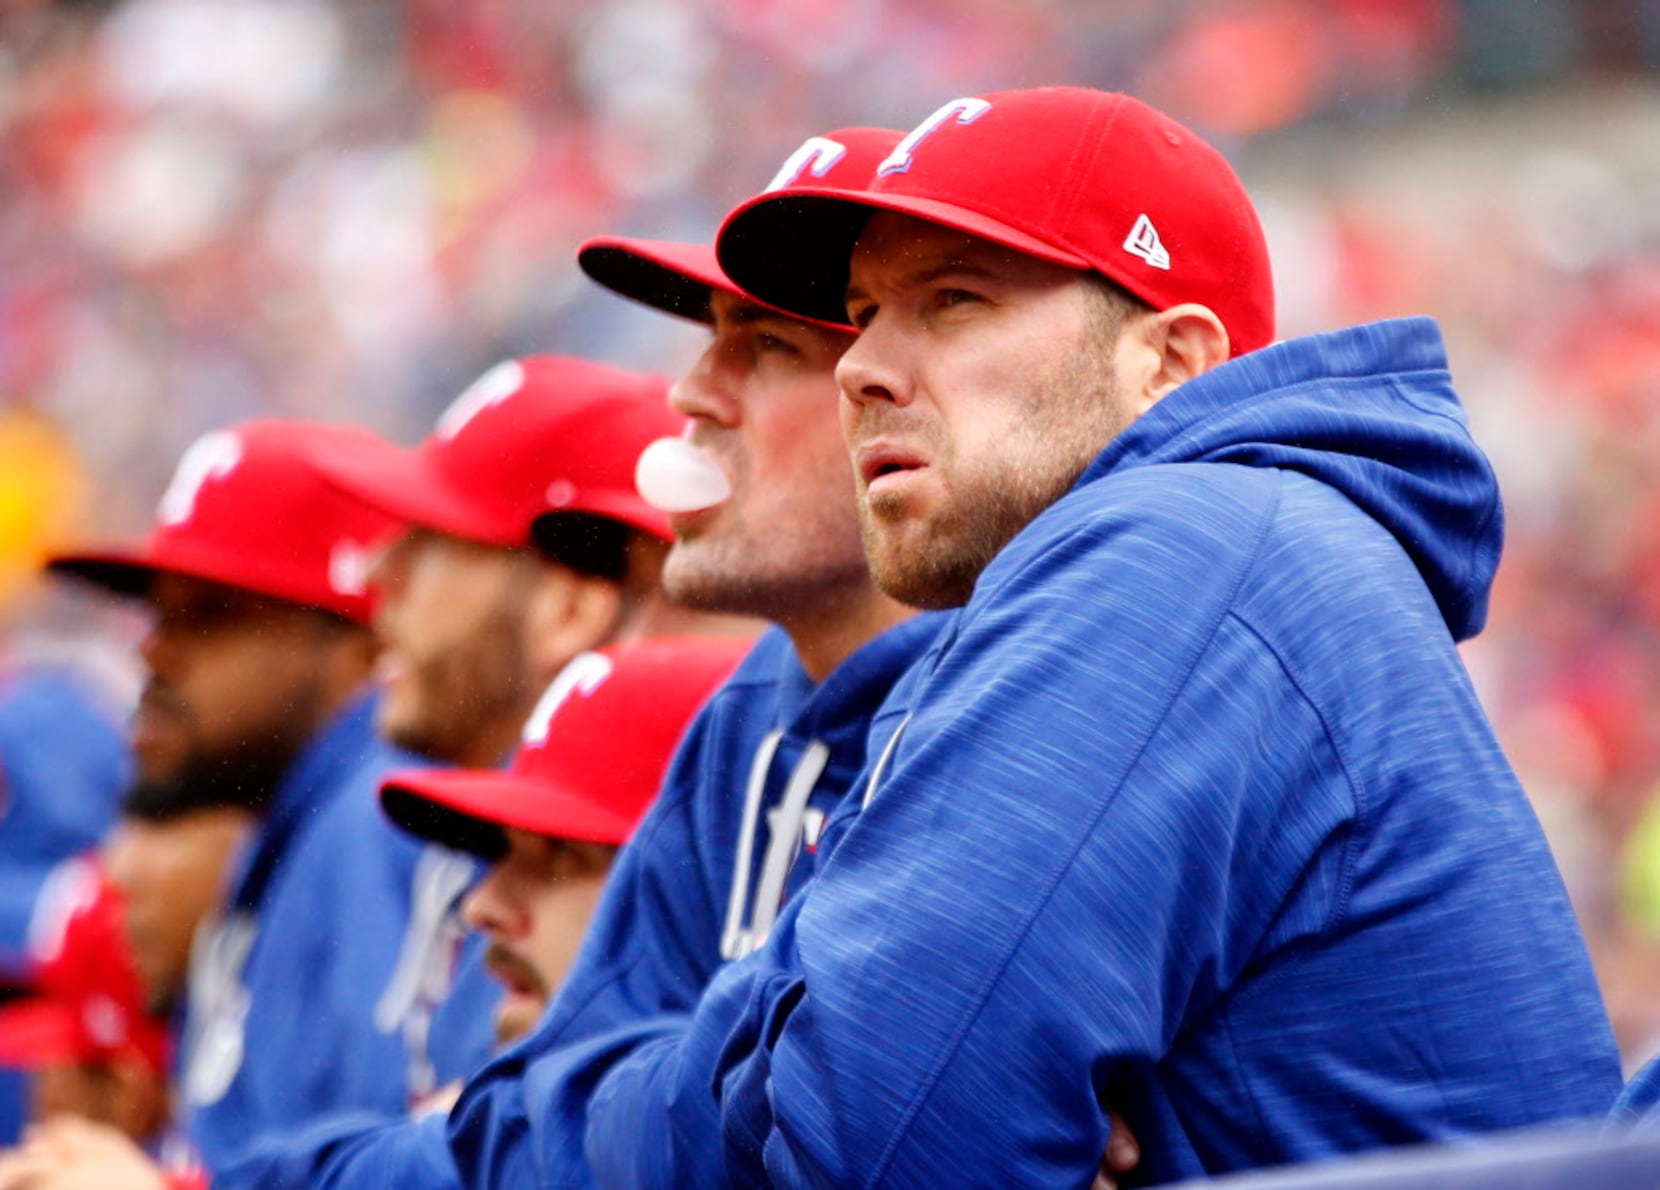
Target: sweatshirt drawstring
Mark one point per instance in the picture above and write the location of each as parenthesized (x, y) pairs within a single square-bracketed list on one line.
[(784, 841), (733, 939)]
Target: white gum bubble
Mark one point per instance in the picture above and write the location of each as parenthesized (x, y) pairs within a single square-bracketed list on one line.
[(674, 475)]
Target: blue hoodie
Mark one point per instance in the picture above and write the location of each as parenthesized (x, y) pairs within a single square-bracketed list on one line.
[(296, 1009), (1193, 812)]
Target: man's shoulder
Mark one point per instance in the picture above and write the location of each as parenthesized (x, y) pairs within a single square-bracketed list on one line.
[(1143, 533)]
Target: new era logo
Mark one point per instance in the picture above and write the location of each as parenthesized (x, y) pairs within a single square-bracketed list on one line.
[(1143, 241)]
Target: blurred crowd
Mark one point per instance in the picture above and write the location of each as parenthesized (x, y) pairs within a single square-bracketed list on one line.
[(221, 209)]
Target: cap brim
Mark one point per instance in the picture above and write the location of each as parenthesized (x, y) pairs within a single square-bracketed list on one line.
[(468, 809), (791, 249), (127, 573), (400, 484), (131, 573), (674, 278), (40, 1032)]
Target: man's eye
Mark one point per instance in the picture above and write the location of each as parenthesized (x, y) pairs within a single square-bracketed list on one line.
[(860, 316), (956, 297)]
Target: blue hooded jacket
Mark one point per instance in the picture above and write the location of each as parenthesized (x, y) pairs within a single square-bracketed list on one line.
[(1191, 811), (295, 1014)]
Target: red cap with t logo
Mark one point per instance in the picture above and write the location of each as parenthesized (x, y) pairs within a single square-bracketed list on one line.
[(245, 509), (1086, 179), (678, 278), (593, 755), (534, 435)]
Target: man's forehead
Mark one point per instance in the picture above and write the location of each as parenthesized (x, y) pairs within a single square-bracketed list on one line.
[(186, 595), (170, 590), (733, 310), (903, 247)]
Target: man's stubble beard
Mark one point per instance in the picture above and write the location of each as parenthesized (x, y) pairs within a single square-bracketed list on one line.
[(473, 683), (935, 564), (245, 775), (809, 563)]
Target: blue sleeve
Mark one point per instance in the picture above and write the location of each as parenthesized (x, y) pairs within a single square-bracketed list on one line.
[(411, 1155), (978, 938), (652, 1121), (653, 944), (357, 1151), (328, 940)]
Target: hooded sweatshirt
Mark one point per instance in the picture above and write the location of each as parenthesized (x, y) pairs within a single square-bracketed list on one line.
[(1192, 812), (296, 1012)]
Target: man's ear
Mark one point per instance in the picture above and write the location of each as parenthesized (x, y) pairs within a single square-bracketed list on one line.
[(1184, 341), (569, 613)]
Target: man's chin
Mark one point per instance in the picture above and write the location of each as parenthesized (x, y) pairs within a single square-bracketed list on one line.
[(916, 568), (413, 732), (517, 1016)]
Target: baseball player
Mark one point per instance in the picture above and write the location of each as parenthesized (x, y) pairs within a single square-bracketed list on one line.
[(258, 661), (474, 620), (1191, 808), (592, 758)]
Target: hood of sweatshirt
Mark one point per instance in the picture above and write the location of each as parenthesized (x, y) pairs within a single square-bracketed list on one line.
[(1369, 411)]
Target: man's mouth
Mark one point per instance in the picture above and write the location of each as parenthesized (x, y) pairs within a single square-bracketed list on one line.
[(878, 460), (511, 970)]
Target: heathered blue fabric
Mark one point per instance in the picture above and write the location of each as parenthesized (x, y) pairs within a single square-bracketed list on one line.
[(63, 765), (655, 940), (330, 925), (1195, 815)]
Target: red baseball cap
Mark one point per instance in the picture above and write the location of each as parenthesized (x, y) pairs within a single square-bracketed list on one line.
[(593, 755), (678, 278), (245, 509), (90, 1005), (1083, 178), (534, 435)]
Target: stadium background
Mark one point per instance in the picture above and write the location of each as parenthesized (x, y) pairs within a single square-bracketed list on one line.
[(217, 209)]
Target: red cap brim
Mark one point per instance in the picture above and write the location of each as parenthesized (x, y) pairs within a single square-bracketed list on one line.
[(467, 809), (131, 572), (40, 1032), (791, 249)]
